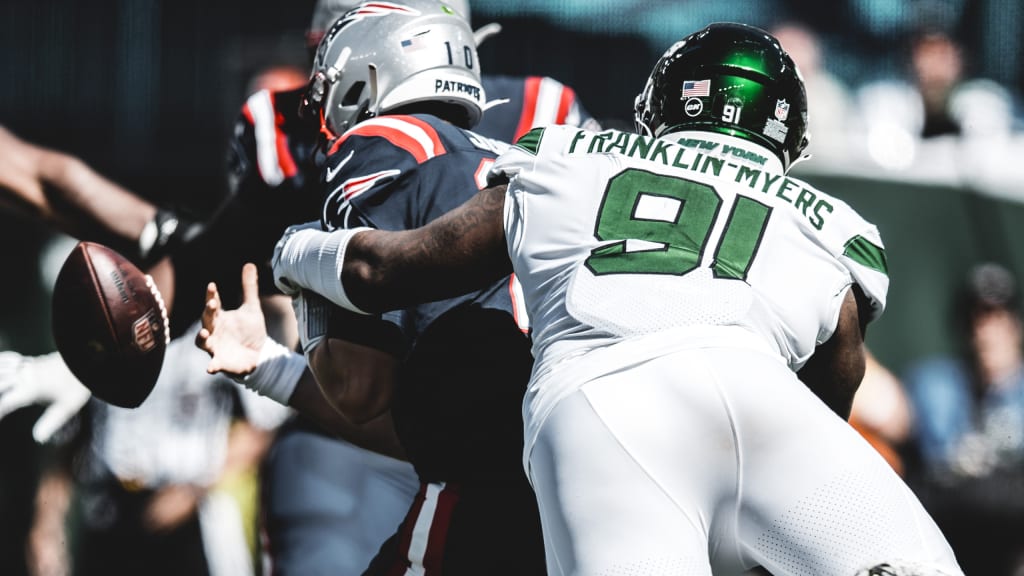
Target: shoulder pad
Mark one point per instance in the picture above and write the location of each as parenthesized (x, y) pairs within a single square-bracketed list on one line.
[(415, 136)]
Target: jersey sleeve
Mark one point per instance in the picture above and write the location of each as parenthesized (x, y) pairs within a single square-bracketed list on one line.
[(521, 156), (548, 102), (399, 173), (864, 256), (260, 147), (857, 244), (574, 113)]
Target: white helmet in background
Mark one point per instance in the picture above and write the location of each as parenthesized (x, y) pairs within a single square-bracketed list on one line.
[(381, 56)]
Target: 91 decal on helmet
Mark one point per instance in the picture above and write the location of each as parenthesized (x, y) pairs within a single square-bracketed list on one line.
[(732, 79), (382, 56)]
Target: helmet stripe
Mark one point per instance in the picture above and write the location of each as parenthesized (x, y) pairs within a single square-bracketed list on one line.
[(406, 132)]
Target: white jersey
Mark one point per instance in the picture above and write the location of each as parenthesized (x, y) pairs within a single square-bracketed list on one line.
[(616, 236)]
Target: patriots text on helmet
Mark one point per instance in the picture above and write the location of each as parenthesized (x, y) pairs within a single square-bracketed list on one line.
[(695, 154), (442, 86)]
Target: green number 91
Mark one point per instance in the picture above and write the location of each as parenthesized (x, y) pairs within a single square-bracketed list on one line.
[(682, 239)]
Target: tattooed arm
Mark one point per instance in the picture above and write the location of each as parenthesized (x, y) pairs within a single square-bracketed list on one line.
[(463, 250)]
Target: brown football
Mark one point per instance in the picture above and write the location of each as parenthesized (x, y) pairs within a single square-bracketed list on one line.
[(109, 324)]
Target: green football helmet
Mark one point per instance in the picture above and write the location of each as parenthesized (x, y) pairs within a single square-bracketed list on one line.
[(732, 79)]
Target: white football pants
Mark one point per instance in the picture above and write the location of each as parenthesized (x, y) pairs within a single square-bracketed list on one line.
[(717, 460)]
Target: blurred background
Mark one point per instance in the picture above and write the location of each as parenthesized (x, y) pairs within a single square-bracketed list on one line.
[(915, 115)]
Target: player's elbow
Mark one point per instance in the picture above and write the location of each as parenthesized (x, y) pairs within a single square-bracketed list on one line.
[(363, 284), (367, 276)]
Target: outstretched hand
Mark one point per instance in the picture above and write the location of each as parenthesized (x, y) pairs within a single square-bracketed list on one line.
[(233, 338)]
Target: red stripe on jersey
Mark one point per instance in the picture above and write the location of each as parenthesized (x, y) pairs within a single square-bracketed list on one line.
[(434, 555), (357, 186), (400, 563), (270, 120), (398, 136), (248, 113), (565, 104), (284, 155), (530, 93), (437, 532)]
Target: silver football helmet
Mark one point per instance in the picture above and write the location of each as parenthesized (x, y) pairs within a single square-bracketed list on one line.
[(325, 12), (381, 56)]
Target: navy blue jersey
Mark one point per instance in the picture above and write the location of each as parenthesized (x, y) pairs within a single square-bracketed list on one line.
[(400, 173), (466, 360), (274, 182), (520, 103)]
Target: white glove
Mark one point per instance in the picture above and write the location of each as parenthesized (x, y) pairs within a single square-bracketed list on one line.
[(28, 380), (307, 257), (312, 311), (283, 283)]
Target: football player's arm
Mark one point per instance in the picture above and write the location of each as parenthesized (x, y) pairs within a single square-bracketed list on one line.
[(238, 344), (835, 370), (376, 433), (65, 192), (373, 270)]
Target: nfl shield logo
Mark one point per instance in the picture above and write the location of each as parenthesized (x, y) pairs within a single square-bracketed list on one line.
[(782, 110)]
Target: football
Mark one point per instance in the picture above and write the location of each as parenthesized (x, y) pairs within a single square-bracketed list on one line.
[(109, 324)]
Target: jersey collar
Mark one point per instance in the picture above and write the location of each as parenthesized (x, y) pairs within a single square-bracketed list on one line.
[(772, 162)]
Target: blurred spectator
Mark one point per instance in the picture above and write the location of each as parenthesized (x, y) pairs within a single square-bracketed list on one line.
[(881, 412), (937, 99), (969, 429), (831, 100), (278, 79)]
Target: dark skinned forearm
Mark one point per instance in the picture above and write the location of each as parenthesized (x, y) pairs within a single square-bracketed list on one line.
[(462, 251), (835, 371)]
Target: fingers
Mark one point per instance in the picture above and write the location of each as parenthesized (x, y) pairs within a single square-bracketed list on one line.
[(250, 285), (211, 311), (53, 419), (17, 397), (202, 339), (214, 366), (212, 293)]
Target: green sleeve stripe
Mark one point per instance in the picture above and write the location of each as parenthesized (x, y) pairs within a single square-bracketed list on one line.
[(531, 140), (863, 252)]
